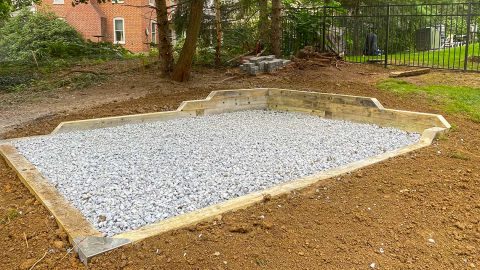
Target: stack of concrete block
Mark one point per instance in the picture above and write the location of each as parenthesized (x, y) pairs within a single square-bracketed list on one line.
[(263, 64)]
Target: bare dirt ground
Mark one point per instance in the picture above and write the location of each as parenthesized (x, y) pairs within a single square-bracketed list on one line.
[(417, 211), (447, 78)]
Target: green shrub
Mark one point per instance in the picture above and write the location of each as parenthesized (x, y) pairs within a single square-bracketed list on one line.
[(43, 36)]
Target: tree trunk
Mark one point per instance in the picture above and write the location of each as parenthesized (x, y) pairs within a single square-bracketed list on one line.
[(263, 24), (182, 69), (218, 26), (358, 41), (165, 50), (276, 27)]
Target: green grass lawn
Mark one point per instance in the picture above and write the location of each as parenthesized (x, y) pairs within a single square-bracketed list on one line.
[(450, 58), (452, 99)]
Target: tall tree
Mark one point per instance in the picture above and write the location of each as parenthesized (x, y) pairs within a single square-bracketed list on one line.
[(263, 23), (276, 27), (218, 28), (182, 69), (164, 44)]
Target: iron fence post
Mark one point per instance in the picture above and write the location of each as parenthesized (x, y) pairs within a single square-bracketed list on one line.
[(469, 17), (387, 35)]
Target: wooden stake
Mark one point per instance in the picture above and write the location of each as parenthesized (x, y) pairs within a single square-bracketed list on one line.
[(25, 237)]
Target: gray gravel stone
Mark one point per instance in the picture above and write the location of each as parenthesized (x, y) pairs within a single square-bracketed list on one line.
[(125, 177)]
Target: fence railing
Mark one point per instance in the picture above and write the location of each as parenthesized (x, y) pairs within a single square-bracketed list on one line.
[(444, 36)]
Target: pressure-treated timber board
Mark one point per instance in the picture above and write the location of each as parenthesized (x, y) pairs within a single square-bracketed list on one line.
[(119, 120), (352, 108), (67, 216), (410, 73), (341, 107)]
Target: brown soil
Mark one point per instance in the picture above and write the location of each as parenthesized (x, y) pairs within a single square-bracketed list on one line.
[(384, 214), (447, 78)]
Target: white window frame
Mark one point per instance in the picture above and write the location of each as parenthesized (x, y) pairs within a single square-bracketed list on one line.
[(154, 30), (58, 2), (115, 30), (118, 1), (151, 3)]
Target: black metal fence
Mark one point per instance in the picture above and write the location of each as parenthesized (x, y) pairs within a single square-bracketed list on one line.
[(444, 36)]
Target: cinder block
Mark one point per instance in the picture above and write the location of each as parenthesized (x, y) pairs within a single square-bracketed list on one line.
[(269, 57), (261, 66), (248, 66), (254, 70), (270, 66)]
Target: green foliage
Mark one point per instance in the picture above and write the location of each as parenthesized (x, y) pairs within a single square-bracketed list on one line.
[(178, 47), (204, 55), (453, 99), (9, 215), (459, 155), (73, 82), (239, 27), (309, 3), (4, 10), (42, 35), (34, 45), (30, 37), (237, 39), (9, 6), (12, 75)]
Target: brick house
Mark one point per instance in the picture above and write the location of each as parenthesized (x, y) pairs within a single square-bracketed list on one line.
[(131, 23)]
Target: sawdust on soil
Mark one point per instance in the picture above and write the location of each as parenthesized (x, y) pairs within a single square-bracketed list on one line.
[(417, 211)]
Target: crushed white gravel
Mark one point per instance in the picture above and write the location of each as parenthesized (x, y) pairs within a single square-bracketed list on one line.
[(125, 177)]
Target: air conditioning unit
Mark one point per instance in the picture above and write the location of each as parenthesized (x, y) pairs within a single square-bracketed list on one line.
[(428, 38)]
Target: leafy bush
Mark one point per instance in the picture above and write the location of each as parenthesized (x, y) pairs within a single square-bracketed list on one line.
[(43, 36), (239, 38), (13, 75), (12, 80), (4, 11)]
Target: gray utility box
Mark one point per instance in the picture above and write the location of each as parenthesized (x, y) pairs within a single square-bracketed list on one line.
[(428, 39)]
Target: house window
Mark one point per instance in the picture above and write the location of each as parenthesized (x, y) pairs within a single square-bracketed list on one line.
[(58, 2), (154, 32), (119, 31), (118, 1), (151, 3)]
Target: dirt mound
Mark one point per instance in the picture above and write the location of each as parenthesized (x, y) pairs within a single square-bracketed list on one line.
[(309, 57), (475, 59)]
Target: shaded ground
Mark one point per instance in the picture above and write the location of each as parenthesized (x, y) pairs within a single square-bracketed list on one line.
[(418, 211)]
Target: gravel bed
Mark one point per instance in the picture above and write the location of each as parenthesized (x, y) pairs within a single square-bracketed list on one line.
[(122, 178)]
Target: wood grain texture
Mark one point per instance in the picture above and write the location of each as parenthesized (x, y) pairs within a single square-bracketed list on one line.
[(352, 108), (409, 73), (118, 121)]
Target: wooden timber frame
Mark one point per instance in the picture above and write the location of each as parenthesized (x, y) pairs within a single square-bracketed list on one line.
[(89, 242)]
